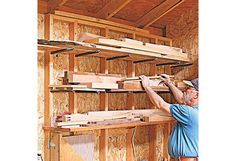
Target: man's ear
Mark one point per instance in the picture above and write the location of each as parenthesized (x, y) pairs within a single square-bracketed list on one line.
[(196, 95)]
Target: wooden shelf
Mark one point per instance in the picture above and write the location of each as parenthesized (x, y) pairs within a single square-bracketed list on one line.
[(69, 89), (124, 125), (108, 51)]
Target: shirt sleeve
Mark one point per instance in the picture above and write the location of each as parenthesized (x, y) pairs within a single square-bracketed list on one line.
[(180, 113)]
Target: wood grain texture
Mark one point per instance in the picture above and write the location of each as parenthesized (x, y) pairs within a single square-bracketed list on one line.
[(40, 26)]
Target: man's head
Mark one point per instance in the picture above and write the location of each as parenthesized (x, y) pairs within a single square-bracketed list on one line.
[(190, 96)]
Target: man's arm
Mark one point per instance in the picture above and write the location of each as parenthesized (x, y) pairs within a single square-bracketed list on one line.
[(154, 97), (178, 94)]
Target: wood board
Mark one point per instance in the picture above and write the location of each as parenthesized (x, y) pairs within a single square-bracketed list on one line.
[(121, 44)]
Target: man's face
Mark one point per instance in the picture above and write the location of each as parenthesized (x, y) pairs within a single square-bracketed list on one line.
[(189, 94)]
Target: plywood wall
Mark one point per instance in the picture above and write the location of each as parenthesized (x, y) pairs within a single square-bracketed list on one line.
[(40, 26), (184, 31), (40, 97)]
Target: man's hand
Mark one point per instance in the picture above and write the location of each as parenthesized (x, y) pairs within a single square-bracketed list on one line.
[(165, 78), (145, 81)]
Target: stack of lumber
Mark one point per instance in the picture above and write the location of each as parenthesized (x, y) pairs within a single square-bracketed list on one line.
[(91, 80), (143, 48), (103, 118)]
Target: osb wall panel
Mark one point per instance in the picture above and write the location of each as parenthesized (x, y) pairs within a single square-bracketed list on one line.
[(60, 30), (87, 102), (141, 100), (117, 67), (117, 145), (60, 64), (116, 35), (60, 100), (184, 32), (87, 64), (117, 101), (89, 29), (40, 100), (141, 143), (40, 26)]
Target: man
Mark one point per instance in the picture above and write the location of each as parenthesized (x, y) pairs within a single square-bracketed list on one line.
[(183, 142)]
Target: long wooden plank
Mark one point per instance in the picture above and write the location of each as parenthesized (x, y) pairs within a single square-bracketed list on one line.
[(84, 117), (74, 77), (142, 112), (128, 125), (127, 45), (100, 85), (81, 46), (111, 8), (156, 13), (105, 23), (48, 34)]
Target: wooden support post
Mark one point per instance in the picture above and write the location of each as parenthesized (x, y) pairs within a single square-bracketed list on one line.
[(47, 70), (152, 143), (72, 34), (55, 140), (129, 148), (152, 129), (103, 140), (167, 131), (130, 105)]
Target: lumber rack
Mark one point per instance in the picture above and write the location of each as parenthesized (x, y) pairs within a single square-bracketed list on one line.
[(110, 53), (92, 90), (124, 125)]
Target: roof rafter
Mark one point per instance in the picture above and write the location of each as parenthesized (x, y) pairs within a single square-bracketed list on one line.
[(158, 12), (55, 4), (112, 8)]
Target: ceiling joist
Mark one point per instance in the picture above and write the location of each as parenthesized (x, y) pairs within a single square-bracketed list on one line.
[(158, 12), (112, 8), (55, 4)]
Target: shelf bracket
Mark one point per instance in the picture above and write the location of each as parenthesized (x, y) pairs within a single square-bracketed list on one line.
[(61, 50), (181, 65), (168, 63), (145, 60), (87, 53), (117, 57)]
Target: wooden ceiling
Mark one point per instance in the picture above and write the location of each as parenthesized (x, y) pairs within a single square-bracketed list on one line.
[(152, 15)]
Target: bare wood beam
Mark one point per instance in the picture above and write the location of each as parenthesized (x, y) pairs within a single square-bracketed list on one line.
[(55, 4), (158, 12), (112, 8)]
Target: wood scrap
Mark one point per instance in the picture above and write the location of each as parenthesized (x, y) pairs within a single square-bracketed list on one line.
[(136, 85), (75, 77), (154, 118)]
